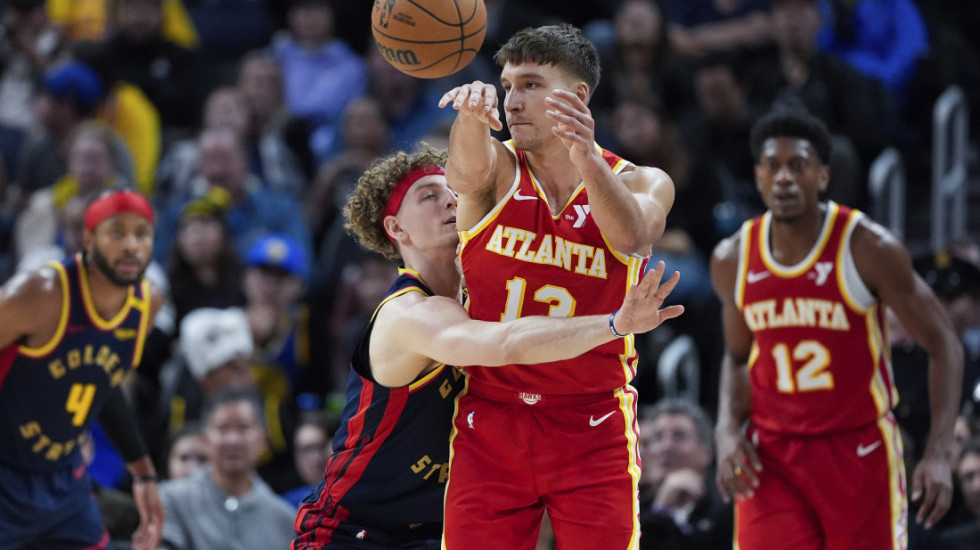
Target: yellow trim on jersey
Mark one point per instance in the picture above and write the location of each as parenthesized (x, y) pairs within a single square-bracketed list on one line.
[(143, 304), (745, 239), (845, 291), (627, 403), (896, 481), (490, 216), (406, 290), (753, 354), (807, 263), (59, 332), (622, 258), (884, 400), (89, 305), (427, 378), (452, 437), (620, 164)]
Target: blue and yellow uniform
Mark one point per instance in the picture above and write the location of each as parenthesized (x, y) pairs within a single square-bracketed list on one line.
[(384, 483), (48, 397)]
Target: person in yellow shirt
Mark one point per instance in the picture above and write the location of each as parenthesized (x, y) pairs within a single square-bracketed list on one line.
[(90, 20)]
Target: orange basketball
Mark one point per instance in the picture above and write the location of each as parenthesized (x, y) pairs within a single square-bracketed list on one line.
[(429, 38)]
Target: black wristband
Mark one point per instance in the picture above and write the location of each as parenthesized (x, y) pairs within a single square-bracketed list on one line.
[(612, 326)]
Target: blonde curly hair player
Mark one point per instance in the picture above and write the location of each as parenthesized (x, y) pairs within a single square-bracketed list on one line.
[(365, 208)]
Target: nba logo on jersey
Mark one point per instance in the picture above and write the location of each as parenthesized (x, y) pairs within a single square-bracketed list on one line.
[(530, 398)]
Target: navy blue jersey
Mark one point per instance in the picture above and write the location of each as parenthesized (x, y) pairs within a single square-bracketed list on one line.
[(391, 454), (49, 394)]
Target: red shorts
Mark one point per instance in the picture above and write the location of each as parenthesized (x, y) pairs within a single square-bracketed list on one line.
[(830, 492), (513, 455)]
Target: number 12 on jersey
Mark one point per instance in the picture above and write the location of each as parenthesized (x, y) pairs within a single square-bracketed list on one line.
[(811, 375)]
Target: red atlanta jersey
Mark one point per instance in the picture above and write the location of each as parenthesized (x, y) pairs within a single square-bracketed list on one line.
[(820, 361), (523, 260)]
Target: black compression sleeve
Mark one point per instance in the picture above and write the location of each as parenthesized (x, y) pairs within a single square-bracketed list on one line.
[(119, 424)]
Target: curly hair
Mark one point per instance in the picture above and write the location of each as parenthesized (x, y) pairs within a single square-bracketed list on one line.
[(563, 46), (365, 207)]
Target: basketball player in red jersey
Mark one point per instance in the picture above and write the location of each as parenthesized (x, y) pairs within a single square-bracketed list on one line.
[(805, 436), (550, 224), (69, 334), (384, 484)]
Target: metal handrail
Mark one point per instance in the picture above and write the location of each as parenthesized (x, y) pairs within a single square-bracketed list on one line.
[(886, 180), (950, 118), (679, 363)]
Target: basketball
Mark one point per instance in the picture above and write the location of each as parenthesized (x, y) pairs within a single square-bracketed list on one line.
[(429, 38)]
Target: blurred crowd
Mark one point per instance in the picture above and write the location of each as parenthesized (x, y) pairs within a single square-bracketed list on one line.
[(247, 122)]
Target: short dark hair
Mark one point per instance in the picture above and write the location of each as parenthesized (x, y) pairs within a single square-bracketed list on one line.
[(235, 394), (563, 46), (791, 122), (673, 405), (970, 447)]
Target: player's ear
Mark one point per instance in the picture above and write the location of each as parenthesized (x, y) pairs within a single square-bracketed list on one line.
[(581, 89), (823, 176), (392, 227)]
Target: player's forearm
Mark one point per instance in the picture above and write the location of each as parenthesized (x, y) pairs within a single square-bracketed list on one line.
[(471, 155), (945, 388), (542, 339), (735, 396), (617, 212)]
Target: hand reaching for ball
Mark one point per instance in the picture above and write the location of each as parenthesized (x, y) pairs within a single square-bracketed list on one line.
[(478, 100)]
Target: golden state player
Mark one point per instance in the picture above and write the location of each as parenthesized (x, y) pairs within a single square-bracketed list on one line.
[(69, 334), (383, 485), (805, 435), (550, 224)]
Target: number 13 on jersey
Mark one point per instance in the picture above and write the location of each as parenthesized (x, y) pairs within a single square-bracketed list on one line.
[(561, 302)]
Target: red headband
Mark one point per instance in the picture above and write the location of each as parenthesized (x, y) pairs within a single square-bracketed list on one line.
[(404, 184), (114, 203)]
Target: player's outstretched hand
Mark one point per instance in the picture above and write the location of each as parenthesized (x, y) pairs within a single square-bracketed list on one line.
[(641, 311), (932, 488), (476, 99), (574, 125), (738, 465), (147, 497)]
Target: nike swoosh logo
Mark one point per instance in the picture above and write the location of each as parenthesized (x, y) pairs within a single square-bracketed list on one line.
[(755, 277), (865, 451), (593, 421), (519, 197)]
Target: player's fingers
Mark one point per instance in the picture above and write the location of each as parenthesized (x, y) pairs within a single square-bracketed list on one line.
[(448, 97), (944, 499), (459, 95), (671, 312), (935, 504), (668, 287), (568, 98), (489, 98), (723, 488), (495, 122), (917, 483), (751, 456)]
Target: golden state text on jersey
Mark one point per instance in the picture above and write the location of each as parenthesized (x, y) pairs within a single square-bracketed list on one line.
[(49, 394)]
